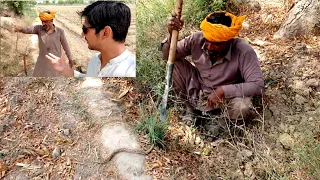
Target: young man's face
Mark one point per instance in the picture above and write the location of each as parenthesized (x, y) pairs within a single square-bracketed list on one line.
[(90, 35)]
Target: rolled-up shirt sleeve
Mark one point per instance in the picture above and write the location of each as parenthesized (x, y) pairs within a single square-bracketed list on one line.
[(250, 70), (78, 74)]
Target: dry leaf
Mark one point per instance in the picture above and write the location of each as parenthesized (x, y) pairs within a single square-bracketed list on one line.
[(3, 167), (125, 92), (59, 139), (206, 150)]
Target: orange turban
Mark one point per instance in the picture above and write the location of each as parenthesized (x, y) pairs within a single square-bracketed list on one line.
[(219, 32), (46, 16)]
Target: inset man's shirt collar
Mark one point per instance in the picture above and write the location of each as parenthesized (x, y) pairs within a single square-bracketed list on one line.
[(119, 58), (123, 65)]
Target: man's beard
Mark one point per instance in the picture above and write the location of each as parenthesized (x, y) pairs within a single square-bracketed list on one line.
[(214, 54)]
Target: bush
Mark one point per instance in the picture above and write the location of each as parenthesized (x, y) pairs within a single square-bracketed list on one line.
[(155, 129), (151, 23), (197, 10), (20, 7)]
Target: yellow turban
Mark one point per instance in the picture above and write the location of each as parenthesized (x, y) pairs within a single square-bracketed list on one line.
[(45, 16), (219, 32)]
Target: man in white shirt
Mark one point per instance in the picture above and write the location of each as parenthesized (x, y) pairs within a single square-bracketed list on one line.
[(105, 29)]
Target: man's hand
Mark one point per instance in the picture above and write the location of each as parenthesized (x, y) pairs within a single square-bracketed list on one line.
[(17, 28), (175, 23), (60, 64), (215, 99)]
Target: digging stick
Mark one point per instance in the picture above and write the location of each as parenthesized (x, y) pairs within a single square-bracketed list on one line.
[(170, 63)]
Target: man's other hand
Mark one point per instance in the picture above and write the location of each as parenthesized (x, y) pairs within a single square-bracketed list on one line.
[(60, 64), (215, 99)]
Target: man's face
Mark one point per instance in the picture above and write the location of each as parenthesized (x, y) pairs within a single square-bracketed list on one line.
[(90, 35), (46, 25), (217, 49)]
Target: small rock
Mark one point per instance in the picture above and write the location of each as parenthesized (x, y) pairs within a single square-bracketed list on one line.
[(13, 101), (66, 132), (300, 46), (297, 135), (286, 141), (68, 163), (292, 128), (6, 22), (56, 152), (237, 174), (210, 139), (309, 108), (300, 99), (300, 88), (275, 111), (246, 25), (312, 82), (258, 42), (256, 6), (244, 154), (248, 170)]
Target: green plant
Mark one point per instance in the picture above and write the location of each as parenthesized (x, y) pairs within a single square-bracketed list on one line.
[(199, 9), (155, 129), (20, 7), (151, 22), (309, 157), (2, 6)]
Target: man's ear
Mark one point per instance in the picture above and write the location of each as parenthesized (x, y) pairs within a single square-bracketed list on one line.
[(107, 31)]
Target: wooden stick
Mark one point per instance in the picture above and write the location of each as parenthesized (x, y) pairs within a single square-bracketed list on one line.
[(170, 63)]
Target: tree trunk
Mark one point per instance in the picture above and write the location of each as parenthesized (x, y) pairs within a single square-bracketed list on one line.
[(303, 19)]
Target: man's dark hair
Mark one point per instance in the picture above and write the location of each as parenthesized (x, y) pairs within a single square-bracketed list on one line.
[(115, 14), (220, 18)]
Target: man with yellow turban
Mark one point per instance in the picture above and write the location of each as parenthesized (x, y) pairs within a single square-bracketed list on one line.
[(50, 40), (224, 71)]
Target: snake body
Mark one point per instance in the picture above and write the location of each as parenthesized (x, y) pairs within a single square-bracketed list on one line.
[(134, 151)]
